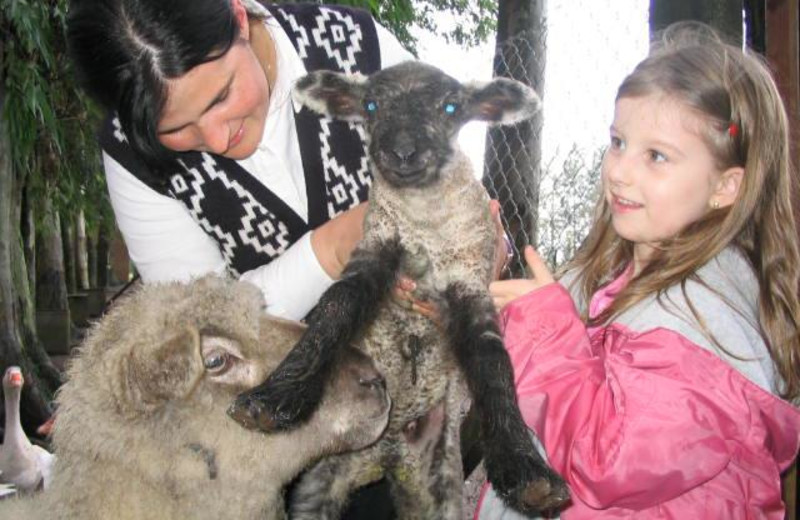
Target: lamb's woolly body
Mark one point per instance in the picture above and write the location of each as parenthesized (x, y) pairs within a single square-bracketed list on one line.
[(426, 479), (428, 218), (125, 453)]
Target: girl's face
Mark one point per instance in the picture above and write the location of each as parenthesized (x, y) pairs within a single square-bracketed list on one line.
[(219, 106), (658, 173)]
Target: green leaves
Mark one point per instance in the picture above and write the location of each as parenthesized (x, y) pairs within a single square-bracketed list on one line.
[(50, 123), (476, 19)]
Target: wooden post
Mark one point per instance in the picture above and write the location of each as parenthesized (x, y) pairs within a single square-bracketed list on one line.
[(120, 262), (783, 53), (782, 35), (724, 15), (512, 163)]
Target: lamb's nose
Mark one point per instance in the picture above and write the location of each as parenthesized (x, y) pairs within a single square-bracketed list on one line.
[(404, 150)]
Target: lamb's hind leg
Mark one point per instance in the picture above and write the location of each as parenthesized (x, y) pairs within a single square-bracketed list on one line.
[(323, 491), (294, 390), (516, 470)]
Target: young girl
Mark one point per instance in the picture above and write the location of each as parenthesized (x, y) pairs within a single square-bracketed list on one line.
[(661, 385)]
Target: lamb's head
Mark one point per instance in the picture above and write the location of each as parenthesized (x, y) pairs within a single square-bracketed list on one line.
[(166, 363), (413, 112)]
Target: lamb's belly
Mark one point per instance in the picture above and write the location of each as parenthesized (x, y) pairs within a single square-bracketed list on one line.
[(415, 360), (469, 261)]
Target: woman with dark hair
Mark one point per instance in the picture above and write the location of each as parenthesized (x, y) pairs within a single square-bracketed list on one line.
[(210, 165)]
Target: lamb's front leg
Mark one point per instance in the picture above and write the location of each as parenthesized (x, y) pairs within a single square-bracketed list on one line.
[(517, 471), (294, 390)]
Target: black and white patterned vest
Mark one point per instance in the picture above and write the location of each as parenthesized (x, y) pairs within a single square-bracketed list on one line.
[(250, 223)]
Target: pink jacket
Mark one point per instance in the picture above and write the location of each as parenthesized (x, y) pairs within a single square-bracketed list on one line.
[(644, 424)]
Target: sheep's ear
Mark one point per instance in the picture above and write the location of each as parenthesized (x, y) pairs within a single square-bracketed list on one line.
[(336, 95), (502, 102), (152, 376)]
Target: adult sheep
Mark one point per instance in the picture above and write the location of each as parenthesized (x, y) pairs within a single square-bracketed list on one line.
[(428, 218), (142, 431)]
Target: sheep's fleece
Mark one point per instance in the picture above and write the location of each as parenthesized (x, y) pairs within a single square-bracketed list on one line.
[(142, 432)]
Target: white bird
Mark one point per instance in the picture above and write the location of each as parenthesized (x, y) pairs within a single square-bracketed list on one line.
[(23, 464), (7, 489)]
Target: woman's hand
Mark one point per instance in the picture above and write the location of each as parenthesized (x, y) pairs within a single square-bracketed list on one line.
[(505, 291), (404, 296), (503, 252), (334, 241), (404, 288)]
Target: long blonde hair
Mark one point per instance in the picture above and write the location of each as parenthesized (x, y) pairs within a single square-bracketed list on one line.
[(725, 86)]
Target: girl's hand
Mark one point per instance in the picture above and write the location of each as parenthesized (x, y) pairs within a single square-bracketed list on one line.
[(505, 291), (334, 241)]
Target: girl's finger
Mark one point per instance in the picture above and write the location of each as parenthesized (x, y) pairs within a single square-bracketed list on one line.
[(536, 265), (532, 260)]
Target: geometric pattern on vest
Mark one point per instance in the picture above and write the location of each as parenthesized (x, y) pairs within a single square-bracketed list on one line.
[(251, 224), (245, 220), (337, 39)]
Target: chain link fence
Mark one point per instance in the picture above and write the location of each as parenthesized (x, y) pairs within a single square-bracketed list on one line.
[(547, 199), (546, 172)]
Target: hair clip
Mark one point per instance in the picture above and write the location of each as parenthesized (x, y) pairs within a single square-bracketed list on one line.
[(733, 129)]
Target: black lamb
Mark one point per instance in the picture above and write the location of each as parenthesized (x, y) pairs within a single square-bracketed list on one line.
[(428, 219)]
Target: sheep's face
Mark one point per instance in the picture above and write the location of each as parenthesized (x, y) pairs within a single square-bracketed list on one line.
[(208, 341), (412, 113), (147, 396), (206, 369)]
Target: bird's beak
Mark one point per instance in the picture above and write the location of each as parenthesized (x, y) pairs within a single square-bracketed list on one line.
[(16, 378)]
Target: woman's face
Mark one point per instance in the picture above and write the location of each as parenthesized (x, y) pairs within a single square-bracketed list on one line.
[(219, 106)]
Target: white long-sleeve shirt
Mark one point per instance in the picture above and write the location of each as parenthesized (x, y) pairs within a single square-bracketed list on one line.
[(166, 244)]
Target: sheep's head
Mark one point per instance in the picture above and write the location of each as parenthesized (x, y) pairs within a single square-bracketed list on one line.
[(202, 368), (413, 112), (178, 354), (189, 343)]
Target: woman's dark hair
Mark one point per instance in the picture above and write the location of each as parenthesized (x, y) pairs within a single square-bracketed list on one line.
[(124, 51)]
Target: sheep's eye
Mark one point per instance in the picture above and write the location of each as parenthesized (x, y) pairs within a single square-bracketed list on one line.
[(371, 106), (450, 108), (217, 362)]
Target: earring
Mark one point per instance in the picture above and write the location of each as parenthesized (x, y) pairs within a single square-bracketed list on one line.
[(714, 204)]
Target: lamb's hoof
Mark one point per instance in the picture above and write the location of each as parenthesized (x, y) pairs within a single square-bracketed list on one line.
[(273, 407), (251, 412), (526, 484), (543, 494)]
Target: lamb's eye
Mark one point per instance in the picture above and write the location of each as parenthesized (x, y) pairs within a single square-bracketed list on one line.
[(217, 362), (371, 106), (450, 108)]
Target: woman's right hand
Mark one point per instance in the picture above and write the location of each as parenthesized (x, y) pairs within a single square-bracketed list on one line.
[(334, 241), (505, 291)]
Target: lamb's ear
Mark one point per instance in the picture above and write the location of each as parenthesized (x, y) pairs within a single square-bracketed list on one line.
[(333, 94), (153, 375), (502, 101)]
